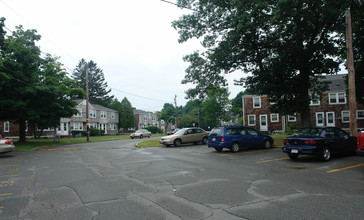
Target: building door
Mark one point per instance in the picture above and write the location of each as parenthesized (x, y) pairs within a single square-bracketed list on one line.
[(63, 129), (319, 119), (330, 119), (263, 122)]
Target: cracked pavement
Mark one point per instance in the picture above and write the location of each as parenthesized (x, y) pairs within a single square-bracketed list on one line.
[(115, 180)]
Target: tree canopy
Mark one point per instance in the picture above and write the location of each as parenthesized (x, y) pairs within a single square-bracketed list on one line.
[(283, 45), (126, 114), (34, 89), (98, 92)]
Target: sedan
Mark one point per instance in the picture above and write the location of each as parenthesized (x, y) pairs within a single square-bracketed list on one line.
[(320, 141), (185, 135), (6, 145), (141, 133)]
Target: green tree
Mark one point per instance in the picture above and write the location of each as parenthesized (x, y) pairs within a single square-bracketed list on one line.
[(216, 107), (98, 92), (168, 114), (126, 114), (34, 90), (283, 44)]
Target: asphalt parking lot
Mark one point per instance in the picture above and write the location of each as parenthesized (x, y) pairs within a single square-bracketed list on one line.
[(115, 180)]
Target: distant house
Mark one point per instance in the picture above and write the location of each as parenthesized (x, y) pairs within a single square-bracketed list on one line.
[(100, 117), (331, 110), (145, 119)]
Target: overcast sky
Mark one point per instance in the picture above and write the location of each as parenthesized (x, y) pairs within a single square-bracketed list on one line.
[(131, 41)]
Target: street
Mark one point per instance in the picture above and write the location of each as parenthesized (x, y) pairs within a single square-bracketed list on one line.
[(116, 180)]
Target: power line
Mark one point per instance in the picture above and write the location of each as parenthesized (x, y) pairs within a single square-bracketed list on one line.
[(181, 6)]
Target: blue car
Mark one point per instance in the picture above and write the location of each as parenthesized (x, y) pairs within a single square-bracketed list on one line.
[(237, 137), (320, 141)]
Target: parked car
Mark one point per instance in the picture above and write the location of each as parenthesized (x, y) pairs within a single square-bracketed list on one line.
[(238, 137), (321, 141), (185, 135), (360, 144), (6, 145), (141, 133), (172, 131)]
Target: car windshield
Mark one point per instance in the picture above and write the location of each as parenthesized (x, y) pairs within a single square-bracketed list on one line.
[(216, 131), (179, 132), (309, 132)]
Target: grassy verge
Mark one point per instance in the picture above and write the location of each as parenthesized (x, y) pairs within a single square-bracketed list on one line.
[(31, 144)]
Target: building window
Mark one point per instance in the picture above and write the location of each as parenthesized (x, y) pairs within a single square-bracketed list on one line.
[(315, 101), (112, 115), (92, 113), (274, 117), (360, 114), (319, 119), (337, 98), (251, 120), (77, 126), (345, 116), (292, 118), (102, 114), (79, 113), (6, 126), (256, 102)]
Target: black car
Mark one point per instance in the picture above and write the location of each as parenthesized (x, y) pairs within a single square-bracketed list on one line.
[(321, 141)]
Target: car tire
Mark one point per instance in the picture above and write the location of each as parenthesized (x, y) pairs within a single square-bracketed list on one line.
[(177, 142), (141, 136), (149, 136), (267, 144), (132, 137), (293, 156), (204, 140), (235, 147), (325, 154), (218, 149)]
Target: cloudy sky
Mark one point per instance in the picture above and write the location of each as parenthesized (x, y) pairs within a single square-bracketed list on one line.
[(131, 41)]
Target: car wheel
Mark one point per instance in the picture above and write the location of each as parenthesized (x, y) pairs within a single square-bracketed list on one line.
[(149, 136), (204, 140), (218, 149), (325, 154), (293, 156), (141, 136), (132, 137), (235, 147), (267, 144), (177, 142), (167, 145)]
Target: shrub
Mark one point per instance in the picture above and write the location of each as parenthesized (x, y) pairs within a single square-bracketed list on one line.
[(154, 129)]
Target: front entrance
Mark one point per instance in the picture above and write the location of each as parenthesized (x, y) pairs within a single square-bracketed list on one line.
[(330, 119), (263, 121), (63, 129)]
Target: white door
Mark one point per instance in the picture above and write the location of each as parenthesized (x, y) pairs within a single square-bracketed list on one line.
[(63, 129), (263, 122), (319, 119), (330, 119)]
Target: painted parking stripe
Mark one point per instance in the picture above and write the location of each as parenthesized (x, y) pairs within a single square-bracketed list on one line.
[(9, 175), (6, 194), (266, 161), (345, 168)]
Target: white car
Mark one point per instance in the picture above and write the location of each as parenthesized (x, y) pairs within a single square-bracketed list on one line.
[(141, 133), (6, 145)]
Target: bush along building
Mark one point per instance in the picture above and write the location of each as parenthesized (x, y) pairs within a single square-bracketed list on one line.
[(331, 110), (100, 117)]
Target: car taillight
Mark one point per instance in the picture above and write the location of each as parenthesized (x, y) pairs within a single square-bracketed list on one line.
[(310, 142), (222, 139), (285, 141), (8, 142)]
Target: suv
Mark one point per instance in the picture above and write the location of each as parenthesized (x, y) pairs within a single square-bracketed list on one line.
[(237, 137), (360, 144)]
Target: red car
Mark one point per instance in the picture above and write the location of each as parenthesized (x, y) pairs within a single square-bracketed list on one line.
[(360, 143)]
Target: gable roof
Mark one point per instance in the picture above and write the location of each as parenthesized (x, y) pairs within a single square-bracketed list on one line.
[(337, 82), (95, 106)]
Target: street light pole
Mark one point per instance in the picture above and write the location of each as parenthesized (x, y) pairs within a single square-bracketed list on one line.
[(87, 111)]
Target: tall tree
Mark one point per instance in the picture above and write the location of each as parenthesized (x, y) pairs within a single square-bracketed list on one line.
[(35, 89), (126, 114), (216, 107), (283, 44), (168, 114), (98, 92)]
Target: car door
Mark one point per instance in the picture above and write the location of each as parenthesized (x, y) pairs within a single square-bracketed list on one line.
[(244, 138), (333, 140), (197, 135), (188, 137), (253, 138), (347, 143)]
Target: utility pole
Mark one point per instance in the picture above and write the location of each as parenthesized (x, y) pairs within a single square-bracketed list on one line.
[(351, 74), (87, 113), (175, 104)]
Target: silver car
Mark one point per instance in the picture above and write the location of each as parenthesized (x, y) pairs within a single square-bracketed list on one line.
[(6, 145), (185, 135), (141, 133)]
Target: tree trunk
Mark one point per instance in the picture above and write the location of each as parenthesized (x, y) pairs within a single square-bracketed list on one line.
[(22, 130), (303, 98)]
